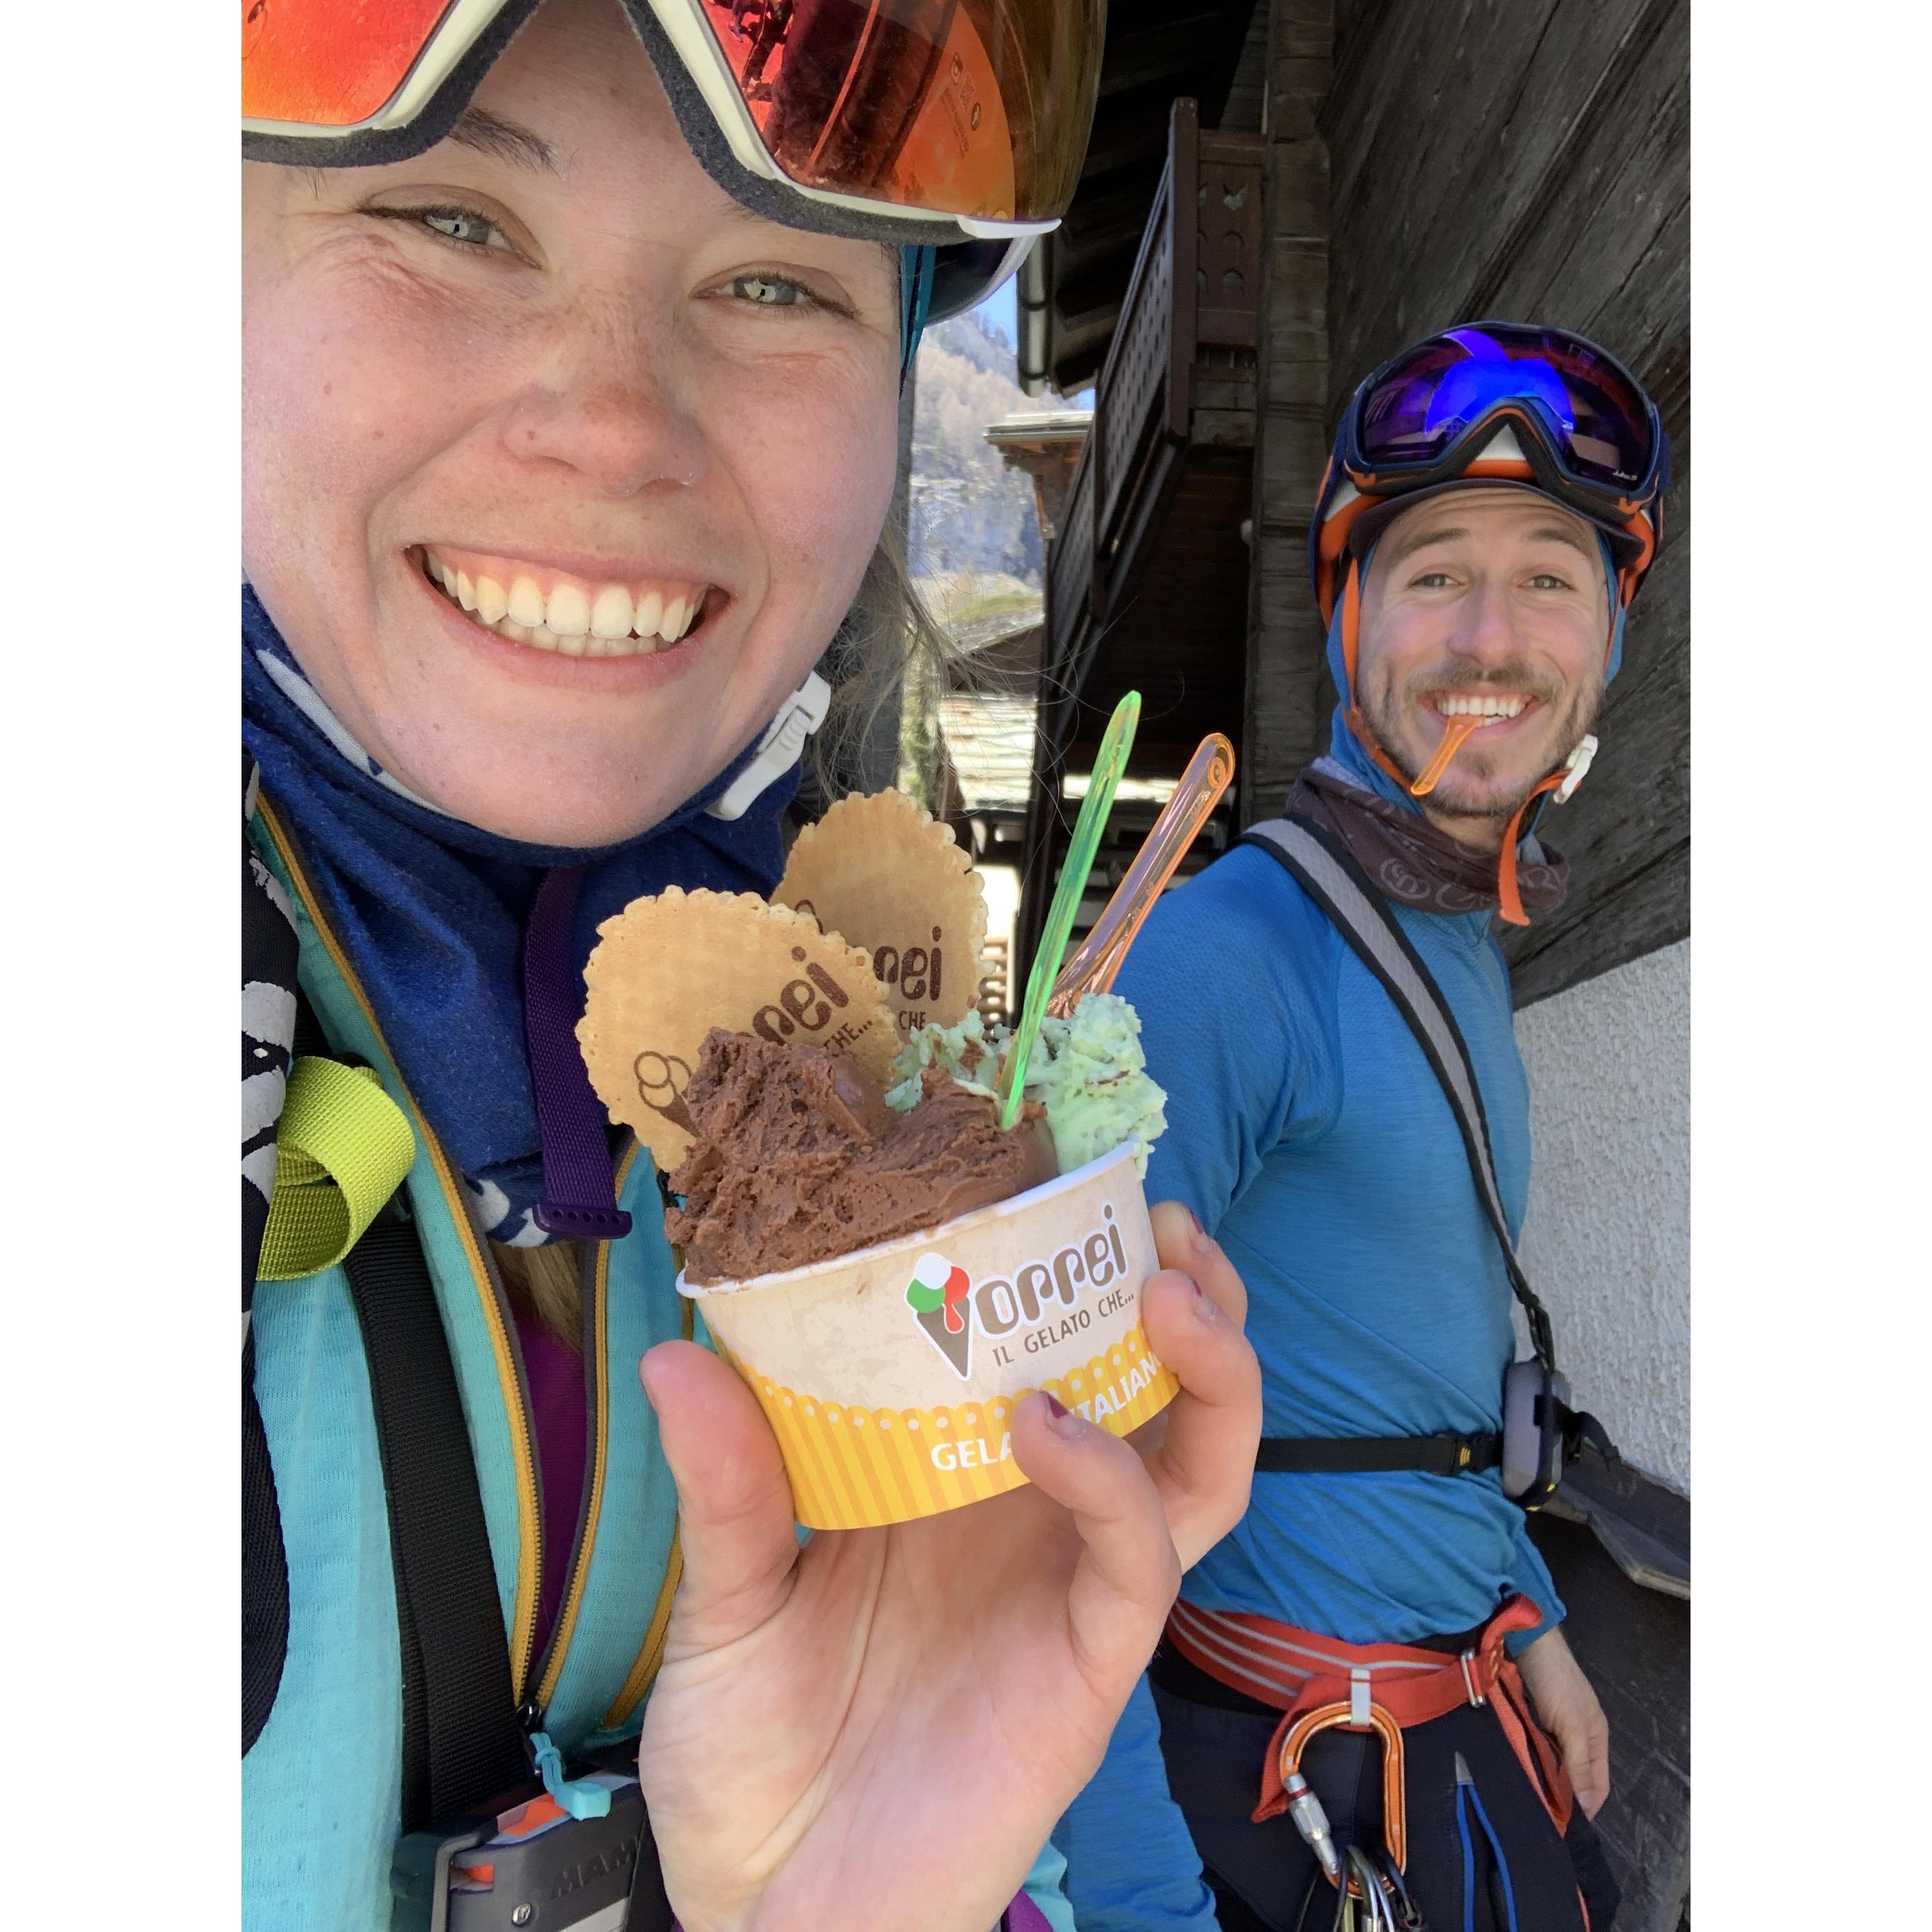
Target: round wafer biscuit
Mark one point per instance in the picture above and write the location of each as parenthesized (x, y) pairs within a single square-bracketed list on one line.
[(667, 969), (884, 874)]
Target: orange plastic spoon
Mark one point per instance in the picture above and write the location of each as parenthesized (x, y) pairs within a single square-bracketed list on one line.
[(1092, 970)]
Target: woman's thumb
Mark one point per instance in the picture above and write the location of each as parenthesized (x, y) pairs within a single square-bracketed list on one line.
[(734, 1504)]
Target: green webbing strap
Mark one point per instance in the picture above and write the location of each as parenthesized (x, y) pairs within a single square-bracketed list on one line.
[(342, 1147)]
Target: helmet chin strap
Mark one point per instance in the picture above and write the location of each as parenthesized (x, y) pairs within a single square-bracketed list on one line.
[(800, 716)]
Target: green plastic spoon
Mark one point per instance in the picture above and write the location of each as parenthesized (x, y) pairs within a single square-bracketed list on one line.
[(1108, 764)]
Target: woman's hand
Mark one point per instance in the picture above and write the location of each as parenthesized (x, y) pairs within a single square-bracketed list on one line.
[(1571, 1714), (880, 1729)]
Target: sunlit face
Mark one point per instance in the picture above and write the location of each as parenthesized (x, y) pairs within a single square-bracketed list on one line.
[(1491, 603), (559, 468)]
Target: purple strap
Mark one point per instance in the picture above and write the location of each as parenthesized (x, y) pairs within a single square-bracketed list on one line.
[(579, 1190)]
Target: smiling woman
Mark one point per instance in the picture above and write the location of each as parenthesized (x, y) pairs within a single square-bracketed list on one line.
[(553, 345), (569, 434)]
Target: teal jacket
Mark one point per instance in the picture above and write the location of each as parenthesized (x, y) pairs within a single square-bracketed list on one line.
[(322, 1788)]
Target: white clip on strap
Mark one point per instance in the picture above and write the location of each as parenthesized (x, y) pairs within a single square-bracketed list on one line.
[(1468, 1663), (1358, 1699), (784, 738), (1575, 766)]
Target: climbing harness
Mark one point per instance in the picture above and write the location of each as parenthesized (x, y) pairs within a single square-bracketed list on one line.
[(1320, 1684)]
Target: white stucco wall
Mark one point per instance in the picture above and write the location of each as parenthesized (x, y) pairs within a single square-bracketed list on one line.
[(1606, 1242)]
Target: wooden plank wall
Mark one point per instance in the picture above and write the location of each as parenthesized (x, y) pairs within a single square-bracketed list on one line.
[(1285, 724), (1531, 158)]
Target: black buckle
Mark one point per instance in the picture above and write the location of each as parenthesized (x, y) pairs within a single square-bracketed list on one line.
[(586, 1872)]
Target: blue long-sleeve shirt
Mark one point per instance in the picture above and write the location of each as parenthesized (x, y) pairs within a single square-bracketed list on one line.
[(1309, 1135)]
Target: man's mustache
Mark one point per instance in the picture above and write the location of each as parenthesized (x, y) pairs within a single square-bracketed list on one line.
[(1457, 677)]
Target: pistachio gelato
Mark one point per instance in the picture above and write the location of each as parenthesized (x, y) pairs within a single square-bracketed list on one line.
[(1088, 1072)]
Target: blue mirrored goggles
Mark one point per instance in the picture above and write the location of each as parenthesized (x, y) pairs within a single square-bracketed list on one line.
[(1418, 418)]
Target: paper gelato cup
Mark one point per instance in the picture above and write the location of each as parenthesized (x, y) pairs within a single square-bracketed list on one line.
[(889, 1375)]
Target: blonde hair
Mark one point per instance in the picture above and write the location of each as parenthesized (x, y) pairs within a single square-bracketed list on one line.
[(888, 639), (545, 1284), (889, 643)]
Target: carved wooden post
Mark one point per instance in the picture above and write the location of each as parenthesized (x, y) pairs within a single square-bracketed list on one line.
[(1285, 723)]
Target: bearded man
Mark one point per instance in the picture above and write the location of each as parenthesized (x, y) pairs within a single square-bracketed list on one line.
[(1342, 1690)]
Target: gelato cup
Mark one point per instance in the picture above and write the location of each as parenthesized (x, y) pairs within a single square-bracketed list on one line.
[(889, 1375)]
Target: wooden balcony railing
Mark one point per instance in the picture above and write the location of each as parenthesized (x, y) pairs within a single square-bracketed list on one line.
[(1179, 377)]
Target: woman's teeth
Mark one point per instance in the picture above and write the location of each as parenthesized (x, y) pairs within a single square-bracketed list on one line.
[(611, 620), (1492, 710)]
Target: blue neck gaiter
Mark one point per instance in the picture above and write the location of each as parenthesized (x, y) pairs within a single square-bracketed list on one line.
[(432, 911)]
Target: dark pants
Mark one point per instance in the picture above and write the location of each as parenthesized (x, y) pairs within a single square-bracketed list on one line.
[(1265, 1879)]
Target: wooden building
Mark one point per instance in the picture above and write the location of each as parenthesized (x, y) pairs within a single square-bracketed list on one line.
[(1278, 196)]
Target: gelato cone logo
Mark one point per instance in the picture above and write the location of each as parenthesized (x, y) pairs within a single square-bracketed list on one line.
[(937, 1294)]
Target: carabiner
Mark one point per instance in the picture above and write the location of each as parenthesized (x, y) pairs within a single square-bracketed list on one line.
[(1339, 1716)]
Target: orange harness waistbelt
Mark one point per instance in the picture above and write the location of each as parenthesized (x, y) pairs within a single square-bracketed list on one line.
[(1319, 1683)]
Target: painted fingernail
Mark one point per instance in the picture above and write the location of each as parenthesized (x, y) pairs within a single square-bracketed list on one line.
[(1194, 1218), (1055, 1404), (1205, 1308)]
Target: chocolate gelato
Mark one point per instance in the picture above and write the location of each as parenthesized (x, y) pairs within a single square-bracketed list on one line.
[(798, 1159)]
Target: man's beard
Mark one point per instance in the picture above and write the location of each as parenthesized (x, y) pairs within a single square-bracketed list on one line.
[(1466, 789)]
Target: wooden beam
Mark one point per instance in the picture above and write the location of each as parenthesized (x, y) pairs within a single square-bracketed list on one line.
[(1284, 723)]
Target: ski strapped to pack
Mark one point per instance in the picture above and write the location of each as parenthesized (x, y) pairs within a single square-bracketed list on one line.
[(1328, 871)]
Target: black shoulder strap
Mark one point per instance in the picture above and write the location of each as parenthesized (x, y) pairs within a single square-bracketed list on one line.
[(462, 1742), (269, 950), (1326, 870)]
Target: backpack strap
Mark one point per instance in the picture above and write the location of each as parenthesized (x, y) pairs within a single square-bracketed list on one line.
[(462, 1744)]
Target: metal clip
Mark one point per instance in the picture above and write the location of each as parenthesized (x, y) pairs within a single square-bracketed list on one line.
[(1360, 1708), (1468, 1660)]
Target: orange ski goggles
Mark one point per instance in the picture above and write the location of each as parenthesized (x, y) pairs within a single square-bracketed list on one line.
[(913, 120)]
